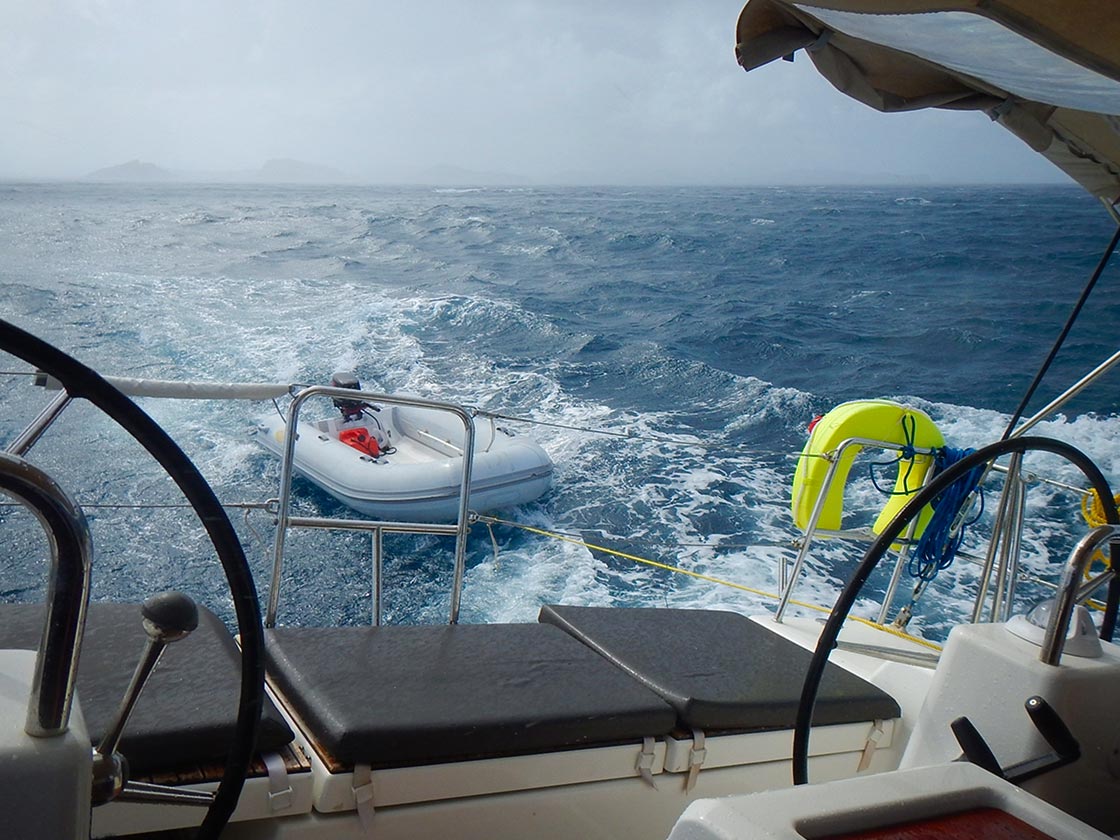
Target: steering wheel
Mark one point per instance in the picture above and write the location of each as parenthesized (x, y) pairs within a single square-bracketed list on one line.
[(81, 381), (827, 639)]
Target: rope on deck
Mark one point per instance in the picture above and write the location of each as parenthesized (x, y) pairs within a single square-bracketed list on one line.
[(698, 575)]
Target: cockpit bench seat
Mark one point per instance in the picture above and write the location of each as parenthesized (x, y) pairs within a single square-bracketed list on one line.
[(399, 696), (183, 724), (185, 716), (720, 671), (402, 715)]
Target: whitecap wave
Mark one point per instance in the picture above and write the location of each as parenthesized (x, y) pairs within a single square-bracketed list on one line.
[(581, 318)]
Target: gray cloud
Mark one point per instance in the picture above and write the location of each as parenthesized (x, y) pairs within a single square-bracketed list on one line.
[(587, 92)]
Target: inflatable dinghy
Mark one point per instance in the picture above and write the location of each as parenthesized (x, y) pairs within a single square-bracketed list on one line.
[(404, 463)]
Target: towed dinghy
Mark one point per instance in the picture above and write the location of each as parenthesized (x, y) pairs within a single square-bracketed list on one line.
[(404, 463)]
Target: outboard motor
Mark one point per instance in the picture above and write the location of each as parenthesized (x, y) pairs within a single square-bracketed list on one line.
[(351, 409)]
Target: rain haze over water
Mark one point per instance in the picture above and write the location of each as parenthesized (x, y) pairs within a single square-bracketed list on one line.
[(510, 92)]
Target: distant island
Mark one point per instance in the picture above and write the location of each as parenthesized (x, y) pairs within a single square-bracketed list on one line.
[(276, 171), (290, 171), (133, 171)]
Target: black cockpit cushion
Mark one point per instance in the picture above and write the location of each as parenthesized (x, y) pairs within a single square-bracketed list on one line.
[(187, 711), (719, 670), (400, 695)]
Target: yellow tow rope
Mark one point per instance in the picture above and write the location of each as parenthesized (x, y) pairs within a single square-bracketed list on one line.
[(760, 592), (1093, 511)]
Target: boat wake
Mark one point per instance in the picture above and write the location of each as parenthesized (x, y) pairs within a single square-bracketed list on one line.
[(581, 322)]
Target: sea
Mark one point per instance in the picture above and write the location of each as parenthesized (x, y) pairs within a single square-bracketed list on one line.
[(667, 346)]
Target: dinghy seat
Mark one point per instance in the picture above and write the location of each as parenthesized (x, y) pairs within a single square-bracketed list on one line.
[(720, 671), (183, 723), (400, 696)]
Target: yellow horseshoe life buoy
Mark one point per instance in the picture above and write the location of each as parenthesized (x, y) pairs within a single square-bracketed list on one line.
[(879, 420)]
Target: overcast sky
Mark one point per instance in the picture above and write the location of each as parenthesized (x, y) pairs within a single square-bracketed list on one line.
[(584, 91)]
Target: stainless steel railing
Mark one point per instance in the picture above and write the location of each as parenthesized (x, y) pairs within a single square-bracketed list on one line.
[(285, 520), (1071, 590), (788, 578), (56, 664)]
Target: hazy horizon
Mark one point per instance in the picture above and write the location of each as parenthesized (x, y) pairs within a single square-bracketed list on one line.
[(584, 93), (232, 178)]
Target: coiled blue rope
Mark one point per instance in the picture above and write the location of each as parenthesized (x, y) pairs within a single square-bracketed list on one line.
[(939, 545)]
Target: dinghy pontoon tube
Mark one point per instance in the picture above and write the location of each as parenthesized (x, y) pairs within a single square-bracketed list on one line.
[(403, 462)]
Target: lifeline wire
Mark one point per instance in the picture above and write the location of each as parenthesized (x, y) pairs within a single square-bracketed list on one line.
[(629, 435), (1063, 334), (246, 506)]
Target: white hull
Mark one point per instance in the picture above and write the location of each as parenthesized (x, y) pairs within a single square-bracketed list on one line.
[(418, 473)]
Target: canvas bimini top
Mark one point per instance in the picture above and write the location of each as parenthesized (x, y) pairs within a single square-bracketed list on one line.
[(1047, 71)]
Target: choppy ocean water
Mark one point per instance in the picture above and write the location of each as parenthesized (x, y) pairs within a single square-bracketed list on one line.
[(724, 318)]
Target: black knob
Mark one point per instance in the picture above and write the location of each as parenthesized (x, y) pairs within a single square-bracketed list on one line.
[(169, 615), (1051, 727)]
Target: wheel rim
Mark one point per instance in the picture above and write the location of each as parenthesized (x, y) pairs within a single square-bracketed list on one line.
[(83, 382)]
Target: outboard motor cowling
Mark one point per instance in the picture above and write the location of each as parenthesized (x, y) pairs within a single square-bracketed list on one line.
[(350, 409)]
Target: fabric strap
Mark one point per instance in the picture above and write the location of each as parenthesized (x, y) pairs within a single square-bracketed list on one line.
[(279, 785), (696, 758), (873, 738), (645, 762), (362, 786)]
